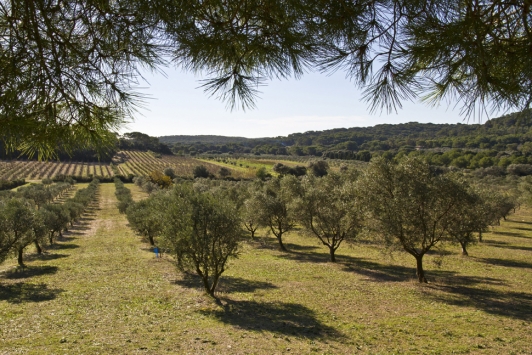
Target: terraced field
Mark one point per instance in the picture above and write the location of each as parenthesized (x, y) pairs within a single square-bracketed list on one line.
[(125, 163)]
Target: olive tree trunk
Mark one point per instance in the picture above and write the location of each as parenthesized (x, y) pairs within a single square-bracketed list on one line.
[(464, 249), (20, 260), (332, 250), (419, 269), (37, 247)]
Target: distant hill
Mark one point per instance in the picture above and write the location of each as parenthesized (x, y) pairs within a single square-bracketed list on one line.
[(515, 123), (206, 139), (501, 141)]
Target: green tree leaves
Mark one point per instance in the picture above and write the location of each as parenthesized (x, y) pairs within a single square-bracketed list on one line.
[(203, 231)]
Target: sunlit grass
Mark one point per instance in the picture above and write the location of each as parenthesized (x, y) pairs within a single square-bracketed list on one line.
[(101, 290)]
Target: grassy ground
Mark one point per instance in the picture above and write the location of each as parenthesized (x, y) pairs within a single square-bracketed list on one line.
[(248, 167), (101, 291)]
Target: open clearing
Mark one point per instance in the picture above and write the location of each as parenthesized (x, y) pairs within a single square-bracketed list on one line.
[(101, 291)]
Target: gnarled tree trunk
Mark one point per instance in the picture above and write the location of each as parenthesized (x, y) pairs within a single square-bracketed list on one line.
[(19, 257), (332, 250), (281, 245), (464, 249), (419, 269), (37, 247)]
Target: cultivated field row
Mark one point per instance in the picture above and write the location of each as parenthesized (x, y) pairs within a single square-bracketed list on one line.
[(130, 162), (37, 170)]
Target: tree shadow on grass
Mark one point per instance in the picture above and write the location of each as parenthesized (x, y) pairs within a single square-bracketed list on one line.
[(495, 243), (299, 248), (513, 247), (230, 284), (260, 242), (63, 246), (506, 263), (453, 279), (511, 234), (528, 229), (516, 305), (227, 284), (31, 271), (25, 292), (398, 273), (381, 272), (45, 256), (288, 319), (306, 255), (372, 270), (516, 221), (67, 236), (78, 227)]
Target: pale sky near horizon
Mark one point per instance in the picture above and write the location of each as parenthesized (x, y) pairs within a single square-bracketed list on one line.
[(315, 102)]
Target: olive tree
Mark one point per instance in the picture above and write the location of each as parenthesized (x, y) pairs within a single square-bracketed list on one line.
[(38, 193), (8, 239), (224, 172), (56, 218), (467, 219), (39, 229), (329, 209), (273, 208), (170, 172), (411, 205), (146, 216), (19, 217), (250, 218), (200, 171), (203, 231), (319, 168)]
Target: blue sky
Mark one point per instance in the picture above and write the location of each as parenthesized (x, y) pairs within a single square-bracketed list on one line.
[(315, 102)]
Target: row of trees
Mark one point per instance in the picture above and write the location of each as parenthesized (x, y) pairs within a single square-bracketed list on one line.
[(33, 216), (407, 205), (11, 184)]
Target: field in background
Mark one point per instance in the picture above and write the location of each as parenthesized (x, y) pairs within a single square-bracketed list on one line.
[(143, 163), (38, 170), (125, 163), (101, 290), (248, 166)]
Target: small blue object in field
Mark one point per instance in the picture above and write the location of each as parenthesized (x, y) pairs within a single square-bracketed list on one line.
[(156, 251)]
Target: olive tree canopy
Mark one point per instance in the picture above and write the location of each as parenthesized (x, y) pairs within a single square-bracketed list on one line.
[(69, 68), (412, 206), (202, 231)]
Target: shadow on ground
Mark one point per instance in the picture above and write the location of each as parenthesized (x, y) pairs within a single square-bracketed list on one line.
[(63, 246), (287, 319), (26, 292), (79, 227), (227, 284), (30, 272), (44, 256), (306, 254), (528, 229), (506, 263), (511, 234), (508, 304), (381, 272), (516, 221), (513, 247)]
